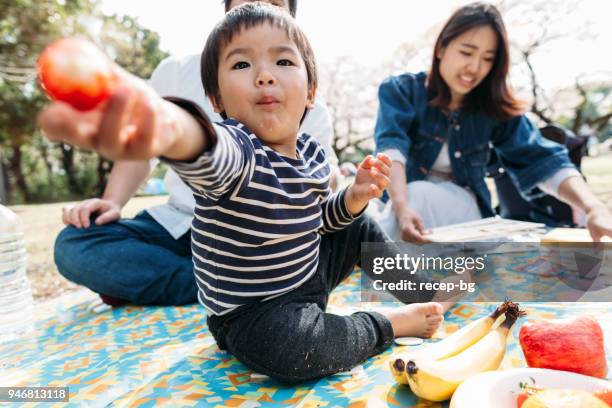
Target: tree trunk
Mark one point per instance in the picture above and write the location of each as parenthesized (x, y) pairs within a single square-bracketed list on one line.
[(3, 182), (578, 119), (579, 110), (15, 167), (601, 122), (44, 152), (68, 164), (103, 170)]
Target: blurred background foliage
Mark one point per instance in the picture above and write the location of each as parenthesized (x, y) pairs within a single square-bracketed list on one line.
[(32, 169)]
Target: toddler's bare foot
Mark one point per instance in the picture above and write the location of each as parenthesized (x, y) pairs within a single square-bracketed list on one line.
[(446, 306), (416, 320)]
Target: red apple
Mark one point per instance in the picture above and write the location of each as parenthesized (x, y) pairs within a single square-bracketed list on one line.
[(605, 396), (75, 71), (575, 345)]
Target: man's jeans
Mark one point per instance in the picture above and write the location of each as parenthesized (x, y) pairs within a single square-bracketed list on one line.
[(137, 260), (132, 259)]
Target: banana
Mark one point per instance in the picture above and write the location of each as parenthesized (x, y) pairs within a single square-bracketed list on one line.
[(398, 371), (436, 380), (461, 339), (450, 346)]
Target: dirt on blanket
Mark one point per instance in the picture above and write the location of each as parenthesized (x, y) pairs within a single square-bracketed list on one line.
[(43, 223)]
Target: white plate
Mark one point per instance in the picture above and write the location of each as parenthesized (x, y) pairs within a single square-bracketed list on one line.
[(500, 389), (408, 341)]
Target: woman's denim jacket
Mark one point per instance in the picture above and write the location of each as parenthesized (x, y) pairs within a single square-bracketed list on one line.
[(406, 123)]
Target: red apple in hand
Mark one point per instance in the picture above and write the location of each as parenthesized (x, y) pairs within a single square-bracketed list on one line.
[(74, 71), (575, 345)]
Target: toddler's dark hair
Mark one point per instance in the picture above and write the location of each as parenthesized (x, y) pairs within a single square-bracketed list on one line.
[(291, 3)]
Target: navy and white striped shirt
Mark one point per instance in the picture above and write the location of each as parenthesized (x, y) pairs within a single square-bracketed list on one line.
[(258, 217)]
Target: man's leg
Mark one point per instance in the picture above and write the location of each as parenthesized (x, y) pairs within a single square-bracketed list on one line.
[(136, 260)]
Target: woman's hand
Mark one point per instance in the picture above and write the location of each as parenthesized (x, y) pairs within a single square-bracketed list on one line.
[(411, 226), (599, 222), (371, 179), (79, 215), (575, 192)]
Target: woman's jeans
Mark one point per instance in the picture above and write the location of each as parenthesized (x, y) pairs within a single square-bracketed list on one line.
[(132, 259)]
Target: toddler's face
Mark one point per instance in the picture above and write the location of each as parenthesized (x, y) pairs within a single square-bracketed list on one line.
[(263, 83)]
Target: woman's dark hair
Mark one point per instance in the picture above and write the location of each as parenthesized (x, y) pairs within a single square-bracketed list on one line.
[(247, 16), (492, 96), (291, 3)]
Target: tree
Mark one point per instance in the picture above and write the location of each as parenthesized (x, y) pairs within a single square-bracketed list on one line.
[(350, 94), (132, 46), (542, 24), (135, 48), (350, 90), (594, 112), (18, 107), (25, 29)]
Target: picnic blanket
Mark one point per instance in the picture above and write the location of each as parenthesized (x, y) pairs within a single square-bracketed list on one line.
[(152, 356)]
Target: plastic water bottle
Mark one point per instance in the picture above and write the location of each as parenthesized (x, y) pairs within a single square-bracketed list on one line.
[(16, 303)]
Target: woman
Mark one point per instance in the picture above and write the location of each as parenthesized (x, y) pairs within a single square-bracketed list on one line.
[(438, 128)]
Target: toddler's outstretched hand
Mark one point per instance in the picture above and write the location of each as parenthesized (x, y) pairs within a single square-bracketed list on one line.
[(371, 180), (131, 123)]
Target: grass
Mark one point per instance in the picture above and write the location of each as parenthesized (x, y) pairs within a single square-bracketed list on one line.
[(42, 223)]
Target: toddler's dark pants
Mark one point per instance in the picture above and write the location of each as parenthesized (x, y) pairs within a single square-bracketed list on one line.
[(291, 338)]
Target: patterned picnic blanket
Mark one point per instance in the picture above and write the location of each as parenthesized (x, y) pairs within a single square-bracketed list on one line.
[(151, 356)]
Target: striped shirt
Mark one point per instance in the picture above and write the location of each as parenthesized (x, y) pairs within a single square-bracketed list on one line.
[(259, 217)]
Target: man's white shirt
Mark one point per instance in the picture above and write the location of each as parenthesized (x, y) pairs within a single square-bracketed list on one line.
[(181, 77)]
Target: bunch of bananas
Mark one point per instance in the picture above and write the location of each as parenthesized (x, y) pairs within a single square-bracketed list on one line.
[(434, 372)]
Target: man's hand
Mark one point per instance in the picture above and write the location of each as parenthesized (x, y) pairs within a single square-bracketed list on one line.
[(79, 215), (599, 222), (411, 226), (371, 180)]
